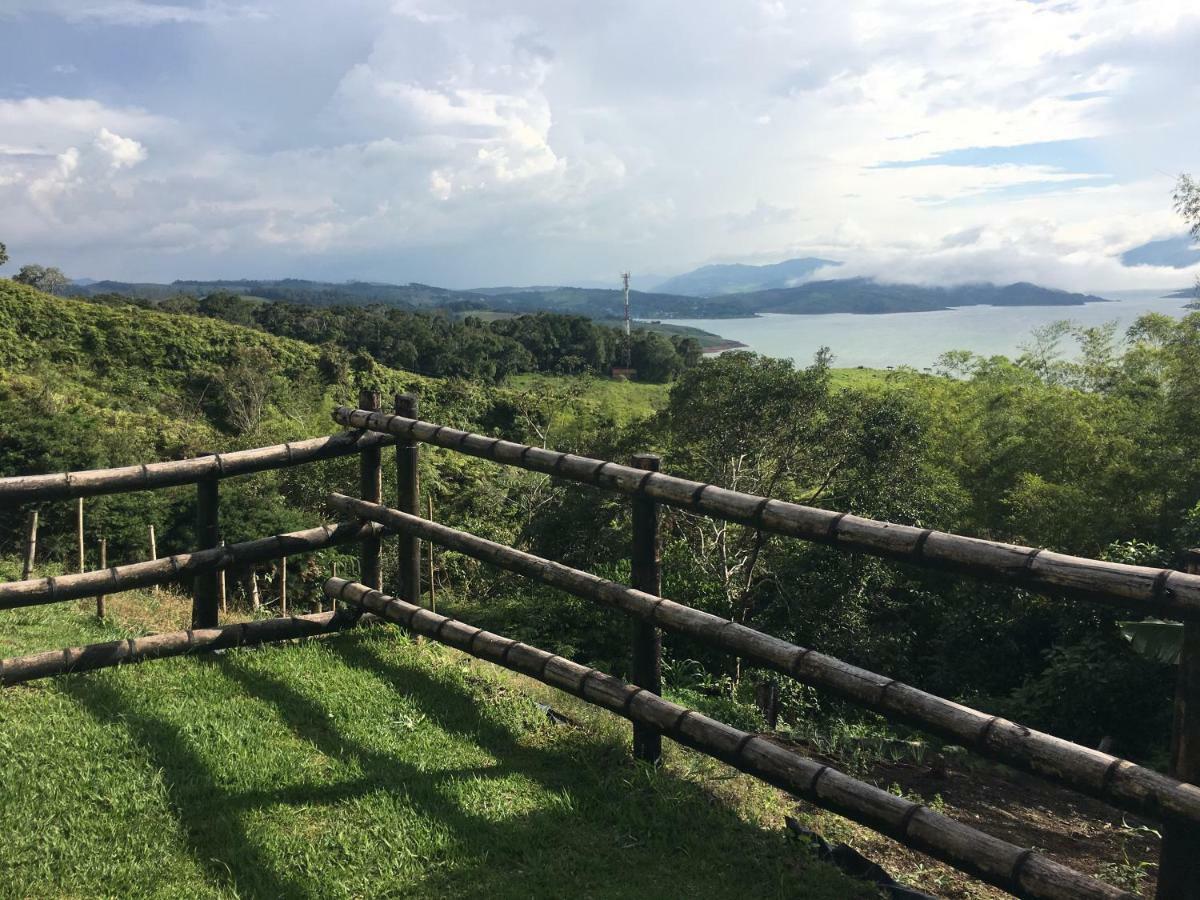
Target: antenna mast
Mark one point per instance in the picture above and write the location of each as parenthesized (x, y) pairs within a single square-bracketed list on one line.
[(628, 339)]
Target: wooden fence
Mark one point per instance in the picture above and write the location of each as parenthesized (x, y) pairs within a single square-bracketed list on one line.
[(1174, 798)]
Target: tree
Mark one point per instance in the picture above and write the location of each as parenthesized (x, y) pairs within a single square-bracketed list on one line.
[(48, 279), (1187, 204), (3, 254), (246, 386)]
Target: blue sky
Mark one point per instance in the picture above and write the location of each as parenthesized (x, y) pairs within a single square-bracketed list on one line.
[(464, 142)]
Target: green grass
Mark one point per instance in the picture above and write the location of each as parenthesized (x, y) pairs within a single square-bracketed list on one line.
[(591, 397), (368, 764)]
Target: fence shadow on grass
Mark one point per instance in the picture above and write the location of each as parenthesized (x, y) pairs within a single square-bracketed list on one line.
[(608, 827)]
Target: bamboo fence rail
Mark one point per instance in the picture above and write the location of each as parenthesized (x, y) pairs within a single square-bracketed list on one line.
[(28, 488), (1109, 778), (16, 670), (1144, 589), (40, 591), (1021, 871)]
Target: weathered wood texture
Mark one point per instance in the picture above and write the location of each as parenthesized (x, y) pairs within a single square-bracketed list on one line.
[(408, 499), (30, 545), (370, 488), (103, 565), (39, 591), (1116, 781), (79, 534), (1139, 588), (206, 587), (1024, 872), (157, 646), (1179, 862), (646, 575), (26, 488), (283, 595)]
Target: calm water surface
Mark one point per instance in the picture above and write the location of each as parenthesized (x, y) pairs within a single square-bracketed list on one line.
[(917, 339)]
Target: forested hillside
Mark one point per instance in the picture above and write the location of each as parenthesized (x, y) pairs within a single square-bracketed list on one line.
[(434, 343), (1089, 457)]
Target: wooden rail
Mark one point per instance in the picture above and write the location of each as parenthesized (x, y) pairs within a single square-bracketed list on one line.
[(1119, 782), (29, 488), (1021, 871), (1142, 589), (40, 591), (71, 660)]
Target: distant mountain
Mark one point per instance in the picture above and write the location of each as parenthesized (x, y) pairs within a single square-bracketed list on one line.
[(713, 281), (845, 295), (863, 295), (1177, 253), (296, 290)]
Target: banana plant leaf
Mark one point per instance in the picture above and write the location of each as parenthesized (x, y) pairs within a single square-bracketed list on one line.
[(1155, 639)]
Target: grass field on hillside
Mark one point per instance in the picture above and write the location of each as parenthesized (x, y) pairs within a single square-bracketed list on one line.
[(363, 765)]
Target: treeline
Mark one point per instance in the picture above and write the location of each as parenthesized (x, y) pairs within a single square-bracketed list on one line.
[(440, 345)]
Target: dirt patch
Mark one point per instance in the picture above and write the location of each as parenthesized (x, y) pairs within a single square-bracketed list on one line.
[(1079, 832)]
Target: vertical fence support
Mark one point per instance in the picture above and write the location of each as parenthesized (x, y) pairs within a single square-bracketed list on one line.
[(154, 551), (30, 546), (283, 600), (79, 531), (408, 499), (103, 565), (222, 586), (432, 586), (206, 587), (1179, 863), (645, 668), (370, 486)]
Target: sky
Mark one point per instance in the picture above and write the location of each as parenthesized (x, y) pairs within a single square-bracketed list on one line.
[(483, 142)]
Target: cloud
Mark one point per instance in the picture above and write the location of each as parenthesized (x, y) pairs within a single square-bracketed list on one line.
[(135, 13), (465, 142), (122, 152)]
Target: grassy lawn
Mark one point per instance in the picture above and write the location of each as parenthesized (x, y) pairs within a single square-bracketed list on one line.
[(363, 765)]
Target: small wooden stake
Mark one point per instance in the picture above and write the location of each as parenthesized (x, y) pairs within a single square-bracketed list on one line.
[(103, 565), (283, 608), (408, 499), (222, 587), (30, 546), (79, 530), (645, 668), (432, 586), (370, 486), (255, 599), (153, 551)]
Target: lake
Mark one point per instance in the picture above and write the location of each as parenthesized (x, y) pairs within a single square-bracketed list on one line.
[(918, 338)]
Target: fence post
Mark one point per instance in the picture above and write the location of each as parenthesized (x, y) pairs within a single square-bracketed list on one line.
[(432, 586), (1179, 862), (206, 586), (408, 499), (103, 565), (283, 607), (645, 669), (154, 551), (30, 546), (79, 532), (370, 478), (222, 585)]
